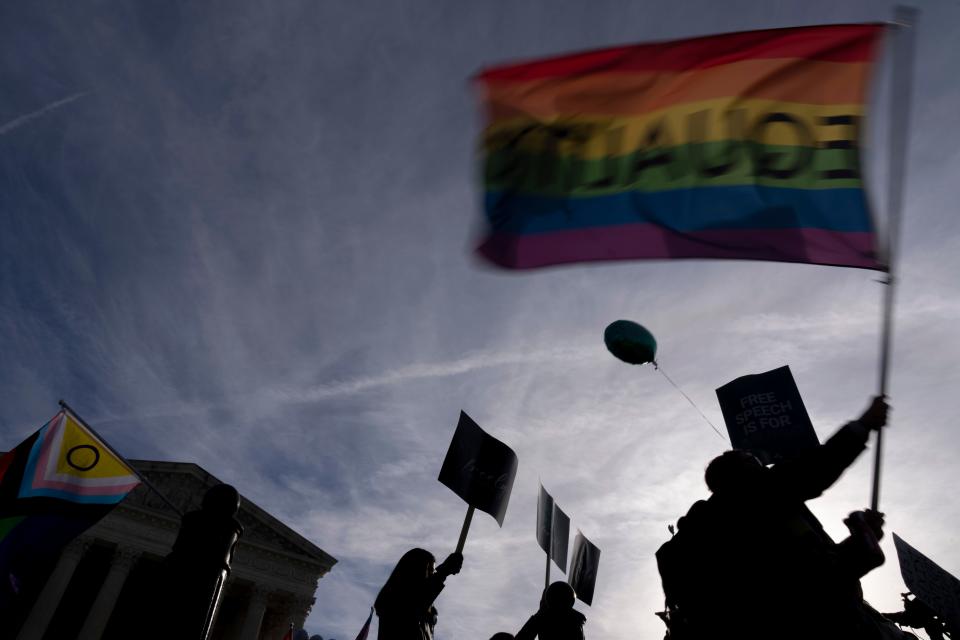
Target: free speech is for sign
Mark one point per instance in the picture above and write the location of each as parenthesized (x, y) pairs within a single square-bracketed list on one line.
[(765, 415)]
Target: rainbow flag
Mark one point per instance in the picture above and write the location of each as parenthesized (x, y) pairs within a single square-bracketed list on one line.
[(743, 146), (53, 486)]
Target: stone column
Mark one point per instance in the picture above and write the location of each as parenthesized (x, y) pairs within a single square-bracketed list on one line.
[(279, 617), (46, 605), (301, 605), (96, 622), (256, 607)]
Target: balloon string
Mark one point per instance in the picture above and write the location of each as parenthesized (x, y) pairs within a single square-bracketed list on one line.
[(692, 403)]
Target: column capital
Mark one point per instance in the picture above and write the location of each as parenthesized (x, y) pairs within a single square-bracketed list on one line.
[(283, 607), (303, 601), (77, 548), (259, 593), (299, 608), (124, 557)]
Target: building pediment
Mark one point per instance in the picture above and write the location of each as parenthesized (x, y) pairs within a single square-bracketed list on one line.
[(184, 484)]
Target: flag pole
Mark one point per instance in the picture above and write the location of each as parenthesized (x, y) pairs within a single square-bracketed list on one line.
[(465, 529), (901, 34), (546, 580), (147, 483)]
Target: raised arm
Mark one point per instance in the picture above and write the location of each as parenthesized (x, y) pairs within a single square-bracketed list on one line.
[(808, 476)]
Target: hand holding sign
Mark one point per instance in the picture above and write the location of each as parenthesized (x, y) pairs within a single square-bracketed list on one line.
[(452, 565)]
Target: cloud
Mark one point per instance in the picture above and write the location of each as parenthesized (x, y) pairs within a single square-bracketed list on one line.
[(421, 371), (19, 121), (249, 250)]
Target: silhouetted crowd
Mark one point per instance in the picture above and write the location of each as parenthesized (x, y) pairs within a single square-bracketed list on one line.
[(406, 611), (751, 562)]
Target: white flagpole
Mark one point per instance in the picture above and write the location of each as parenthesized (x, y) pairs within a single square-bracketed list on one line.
[(901, 76)]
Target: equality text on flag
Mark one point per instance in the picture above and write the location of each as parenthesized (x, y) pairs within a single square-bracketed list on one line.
[(743, 145)]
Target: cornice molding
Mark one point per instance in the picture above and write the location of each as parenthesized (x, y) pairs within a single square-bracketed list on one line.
[(184, 484)]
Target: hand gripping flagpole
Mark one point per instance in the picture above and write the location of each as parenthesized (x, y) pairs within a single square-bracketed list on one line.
[(147, 483), (901, 36)]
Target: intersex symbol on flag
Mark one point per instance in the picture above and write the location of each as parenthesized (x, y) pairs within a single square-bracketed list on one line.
[(553, 529), (765, 415), (584, 567), (62, 464), (479, 468), (69, 462), (54, 485)]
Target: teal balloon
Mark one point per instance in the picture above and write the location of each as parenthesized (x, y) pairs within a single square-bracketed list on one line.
[(630, 342)]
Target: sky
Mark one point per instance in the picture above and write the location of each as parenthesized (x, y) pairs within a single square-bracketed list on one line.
[(240, 234)]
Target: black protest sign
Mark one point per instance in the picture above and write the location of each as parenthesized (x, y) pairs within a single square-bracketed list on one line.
[(583, 568), (553, 529), (560, 538), (935, 587), (544, 519), (765, 415), (479, 468)]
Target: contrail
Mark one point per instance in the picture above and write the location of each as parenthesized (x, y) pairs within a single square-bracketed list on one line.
[(420, 371), (338, 388), (21, 120)]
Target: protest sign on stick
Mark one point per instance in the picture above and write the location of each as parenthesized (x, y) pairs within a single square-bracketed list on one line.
[(553, 532), (765, 415), (934, 586), (583, 568), (480, 469)]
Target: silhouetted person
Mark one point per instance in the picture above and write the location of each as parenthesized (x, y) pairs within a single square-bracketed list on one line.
[(753, 562), (556, 619), (919, 616), (404, 605), (193, 575), (502, 635)]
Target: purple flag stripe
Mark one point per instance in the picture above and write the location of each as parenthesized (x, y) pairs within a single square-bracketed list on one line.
[(647, 241)]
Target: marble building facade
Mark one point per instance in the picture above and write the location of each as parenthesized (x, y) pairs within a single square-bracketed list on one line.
[(91, 590)]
